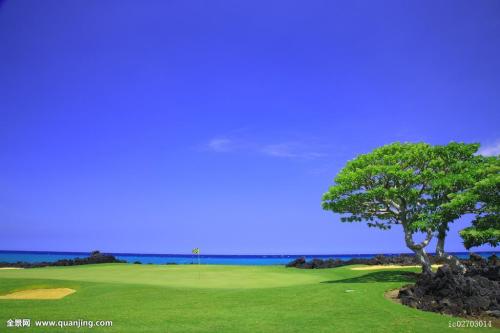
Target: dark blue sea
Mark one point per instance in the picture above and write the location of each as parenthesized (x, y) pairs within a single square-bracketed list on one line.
[(39, 256)]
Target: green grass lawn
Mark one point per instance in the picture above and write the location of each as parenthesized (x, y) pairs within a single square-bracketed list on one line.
[(188, 298)]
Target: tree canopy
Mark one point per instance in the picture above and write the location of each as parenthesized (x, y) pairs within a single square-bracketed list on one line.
[(484, 198), (416, 185), (456, 167)]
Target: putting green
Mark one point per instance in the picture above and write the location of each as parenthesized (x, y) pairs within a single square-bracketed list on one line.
[(186, 276)]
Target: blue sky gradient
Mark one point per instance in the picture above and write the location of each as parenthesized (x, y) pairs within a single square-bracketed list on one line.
[(160, 126)]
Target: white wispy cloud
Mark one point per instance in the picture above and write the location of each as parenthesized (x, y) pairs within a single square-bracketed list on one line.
[(220, 145), (287, 149), (490, 150), (291, 150), (278, 150)]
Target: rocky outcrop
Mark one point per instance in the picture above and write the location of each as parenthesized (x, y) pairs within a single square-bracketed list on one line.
[(477, 292), (402, 259), (95, 257), (477, 265)]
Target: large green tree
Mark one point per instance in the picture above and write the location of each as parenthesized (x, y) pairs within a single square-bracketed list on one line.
[(384, 188), (484, 201), (456, 168), (407, 184)]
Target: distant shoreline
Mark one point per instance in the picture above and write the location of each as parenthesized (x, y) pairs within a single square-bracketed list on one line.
[(30, 258)]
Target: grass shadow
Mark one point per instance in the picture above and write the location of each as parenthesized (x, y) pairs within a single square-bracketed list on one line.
[(385, 276)]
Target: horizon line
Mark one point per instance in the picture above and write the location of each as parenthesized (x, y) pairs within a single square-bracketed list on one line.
[(235, 255)]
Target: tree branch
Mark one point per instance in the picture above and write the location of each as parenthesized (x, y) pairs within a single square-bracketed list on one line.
[(411, 244)]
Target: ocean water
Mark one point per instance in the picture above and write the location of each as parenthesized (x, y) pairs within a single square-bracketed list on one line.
[(39, 256)]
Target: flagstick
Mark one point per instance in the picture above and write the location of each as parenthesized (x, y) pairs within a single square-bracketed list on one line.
[(198, 264)]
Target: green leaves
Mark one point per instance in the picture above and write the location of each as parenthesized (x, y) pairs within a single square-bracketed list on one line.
[(383, 185), (484, 201), (415, 184), (474, 236)]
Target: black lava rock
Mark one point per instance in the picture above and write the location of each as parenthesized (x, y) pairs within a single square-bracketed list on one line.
[(95, 257), (401, 259), (477, 292)]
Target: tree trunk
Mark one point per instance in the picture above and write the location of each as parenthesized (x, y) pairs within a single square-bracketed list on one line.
[(440, 253), (424, 260), (419, 249), (440, 242)]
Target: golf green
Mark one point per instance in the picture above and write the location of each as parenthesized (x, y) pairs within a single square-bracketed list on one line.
[(211, 298)]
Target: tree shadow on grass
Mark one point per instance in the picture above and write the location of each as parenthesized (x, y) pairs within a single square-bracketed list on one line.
[(385, 276)]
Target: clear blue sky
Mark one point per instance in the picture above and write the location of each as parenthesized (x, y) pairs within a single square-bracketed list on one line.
[(159, 126)]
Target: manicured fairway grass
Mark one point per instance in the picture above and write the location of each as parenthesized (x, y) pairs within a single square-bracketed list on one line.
[(188, 298)]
